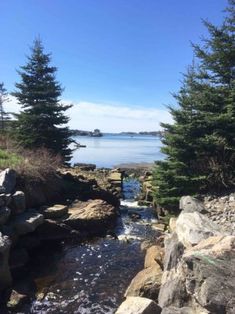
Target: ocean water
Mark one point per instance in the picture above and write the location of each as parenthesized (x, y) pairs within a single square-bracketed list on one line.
[(111, 150)]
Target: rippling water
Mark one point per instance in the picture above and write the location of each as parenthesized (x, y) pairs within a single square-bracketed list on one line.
[(92, 277), (111, 150)]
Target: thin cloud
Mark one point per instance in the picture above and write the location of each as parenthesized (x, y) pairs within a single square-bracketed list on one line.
[(108, 117)]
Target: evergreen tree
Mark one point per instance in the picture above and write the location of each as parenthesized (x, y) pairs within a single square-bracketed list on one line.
[(4, 116), (42, 121), (200, 145)]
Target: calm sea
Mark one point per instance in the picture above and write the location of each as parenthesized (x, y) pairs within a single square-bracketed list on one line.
[(111, 150)]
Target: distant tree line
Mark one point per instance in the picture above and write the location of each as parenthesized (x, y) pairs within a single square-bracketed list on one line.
[(200, 144)]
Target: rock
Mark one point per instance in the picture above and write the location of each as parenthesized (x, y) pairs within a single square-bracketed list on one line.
[(18, 258), (4, 215), (5, 199), (17, 203), (95, 216), (191, 228), (27, 222), (159, 227), (172, 224), (137, 305), (182, 310), (173, 289), (7, 181), (56, 211), (145, 245), (16, 300), (5, 275), (190, 204), (202, 269), (52, 230), (154, 255), (146, 283), (174, 250), (210, 265), (134, 215), (28, 241)]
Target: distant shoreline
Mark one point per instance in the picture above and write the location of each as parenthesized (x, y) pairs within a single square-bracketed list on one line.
[(135, 165)]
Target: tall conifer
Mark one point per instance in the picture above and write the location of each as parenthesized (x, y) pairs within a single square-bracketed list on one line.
[(200, 144), (42, 122)]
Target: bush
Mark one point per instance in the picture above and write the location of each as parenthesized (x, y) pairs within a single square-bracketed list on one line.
[(35, 164)]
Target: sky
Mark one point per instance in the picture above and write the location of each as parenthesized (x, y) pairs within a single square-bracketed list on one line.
[(119, 61)]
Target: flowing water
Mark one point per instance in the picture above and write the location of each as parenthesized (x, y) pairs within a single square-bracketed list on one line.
[(92, 277)]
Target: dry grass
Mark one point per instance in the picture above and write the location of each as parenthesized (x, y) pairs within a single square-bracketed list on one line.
[(35, 164)]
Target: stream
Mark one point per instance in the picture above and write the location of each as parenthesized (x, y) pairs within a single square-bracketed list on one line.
[(91, 277)]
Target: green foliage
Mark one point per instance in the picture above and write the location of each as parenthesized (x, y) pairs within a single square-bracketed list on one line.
[(42, 121), (9, 160), (200, 144)]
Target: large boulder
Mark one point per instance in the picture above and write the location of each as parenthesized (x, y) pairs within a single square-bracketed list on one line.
[(26, 222), (7, 181), (137, 305), (191, 228), (5, 275), (204, 278), (52, 230), (209, 266), (146, 283), (94, 217), (190, 204)]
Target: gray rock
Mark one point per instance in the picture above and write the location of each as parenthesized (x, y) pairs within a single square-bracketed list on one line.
[(191, 228), (173, 290), (177, 310), (7, 181), (4, 215), (190, 204), (17, 203), (203, 277), (27, 222), (137, 305), (173, 251), (5, 275)]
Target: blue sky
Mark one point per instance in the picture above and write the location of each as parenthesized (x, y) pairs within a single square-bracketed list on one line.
[(119, 60)]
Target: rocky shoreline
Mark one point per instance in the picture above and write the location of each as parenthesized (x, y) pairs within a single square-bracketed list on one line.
[(74, 203), (184, 269), (193, 271)]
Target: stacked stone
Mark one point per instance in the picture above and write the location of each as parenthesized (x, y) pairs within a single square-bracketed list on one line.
[(14, 222)]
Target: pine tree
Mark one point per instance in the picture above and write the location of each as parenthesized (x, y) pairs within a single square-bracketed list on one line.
[(42, 121), (4, 116), (200, 145)]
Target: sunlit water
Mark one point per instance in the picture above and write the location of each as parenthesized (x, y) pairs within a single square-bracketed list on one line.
[(92, 277), (111, 150)]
